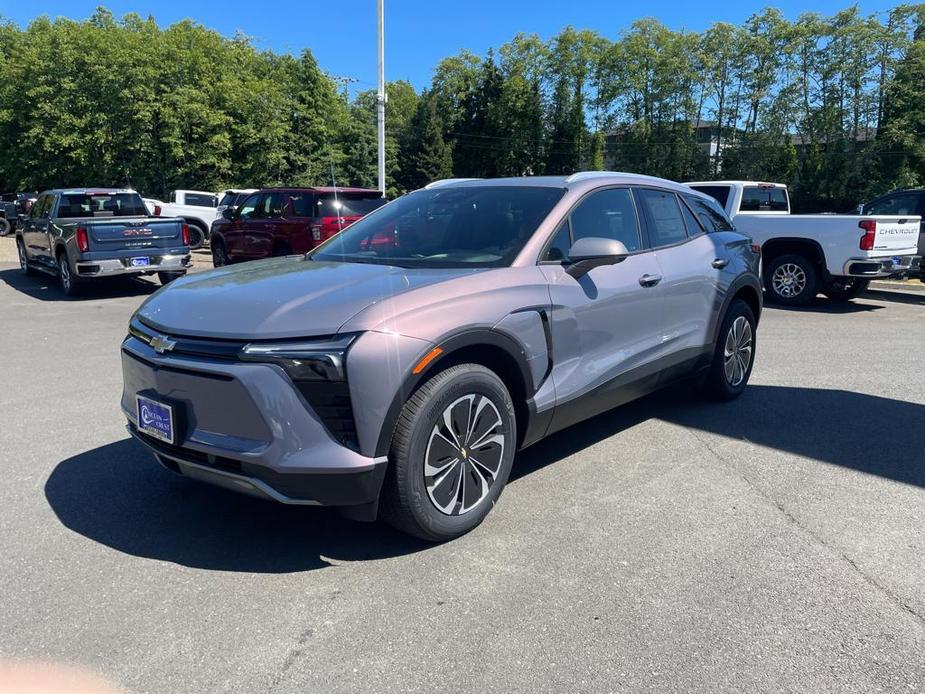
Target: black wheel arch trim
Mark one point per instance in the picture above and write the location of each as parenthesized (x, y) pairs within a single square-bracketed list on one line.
[(453, 344), (797, 240), (738, 284)]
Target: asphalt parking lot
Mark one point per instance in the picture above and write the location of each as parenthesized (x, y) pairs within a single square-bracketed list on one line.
[(774, 543)]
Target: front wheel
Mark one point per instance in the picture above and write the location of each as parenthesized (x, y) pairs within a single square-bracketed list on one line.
[(791, 280), (23, 258), (451, 454), (733, 355), (846, 288), (219, 254)]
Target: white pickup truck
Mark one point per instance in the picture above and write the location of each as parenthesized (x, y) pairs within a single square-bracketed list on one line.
[(804, 255), (198, 208)]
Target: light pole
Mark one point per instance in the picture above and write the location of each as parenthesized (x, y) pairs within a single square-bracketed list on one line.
[(380, 102)]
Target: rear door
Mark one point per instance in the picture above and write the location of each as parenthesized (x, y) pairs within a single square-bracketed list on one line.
[(606, 327), (687, 260), (36, 235)]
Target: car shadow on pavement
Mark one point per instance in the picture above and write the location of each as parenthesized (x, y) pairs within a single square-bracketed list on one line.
[(119, 496), (821, 305), (874, 435), (46, 288), (916, 299)]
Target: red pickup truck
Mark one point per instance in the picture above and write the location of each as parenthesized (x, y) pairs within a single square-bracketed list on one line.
[(283, 221)]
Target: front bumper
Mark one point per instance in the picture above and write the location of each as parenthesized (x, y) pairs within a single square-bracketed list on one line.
[(879, 267), (122, 266), (244, 427)]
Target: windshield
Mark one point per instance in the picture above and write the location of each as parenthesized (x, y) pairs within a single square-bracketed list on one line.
[(75, 205), (348, 204), (477, 226)]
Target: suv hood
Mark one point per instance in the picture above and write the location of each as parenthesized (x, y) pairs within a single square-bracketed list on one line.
[(279, 298)]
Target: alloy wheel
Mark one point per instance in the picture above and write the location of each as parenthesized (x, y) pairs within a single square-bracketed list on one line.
[(64, 271), (737, 354), (464, 454), (21, 251), (789, 280)]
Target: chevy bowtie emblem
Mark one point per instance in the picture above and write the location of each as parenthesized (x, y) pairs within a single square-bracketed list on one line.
[(162, 343)]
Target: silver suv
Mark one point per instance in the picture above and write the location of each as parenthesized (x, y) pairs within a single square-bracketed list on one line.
[(397, 368)]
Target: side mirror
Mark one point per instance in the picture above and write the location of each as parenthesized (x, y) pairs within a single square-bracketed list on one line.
[(594, 251), (229, 213)]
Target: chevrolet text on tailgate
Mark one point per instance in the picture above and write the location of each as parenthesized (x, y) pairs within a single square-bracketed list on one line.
[(86, 233), (803, 255), (396, 368)]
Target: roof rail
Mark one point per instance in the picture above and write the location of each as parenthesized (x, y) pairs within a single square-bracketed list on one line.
[(583, 175), (447, 181)]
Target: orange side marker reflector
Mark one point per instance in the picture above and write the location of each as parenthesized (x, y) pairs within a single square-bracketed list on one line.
[(429, 357)]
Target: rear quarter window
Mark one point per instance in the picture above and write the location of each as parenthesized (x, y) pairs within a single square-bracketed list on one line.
[(710, 214)]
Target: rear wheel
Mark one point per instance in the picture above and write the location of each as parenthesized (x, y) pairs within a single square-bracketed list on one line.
[(70, 284), (733, 355), (23, 258), (168, 277), (197, 237), (791, 280), (846, 288), (5, 226), (451, 454)]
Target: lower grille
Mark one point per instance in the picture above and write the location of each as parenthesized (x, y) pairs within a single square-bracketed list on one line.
[(331, 402), (214, 461)]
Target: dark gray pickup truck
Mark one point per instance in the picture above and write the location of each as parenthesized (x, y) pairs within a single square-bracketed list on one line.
[(85, 233)]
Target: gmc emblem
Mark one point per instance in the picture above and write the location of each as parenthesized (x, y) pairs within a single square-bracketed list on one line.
[(137, 232)]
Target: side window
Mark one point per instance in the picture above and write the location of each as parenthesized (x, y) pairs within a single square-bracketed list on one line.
[(709, 213), (272, 205), (608, 213), (249, 206), (694, 227), (561, 242), (42, 207), (301, 205), (666, 225)]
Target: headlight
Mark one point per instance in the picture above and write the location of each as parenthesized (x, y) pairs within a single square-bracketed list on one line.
[(321, 360)]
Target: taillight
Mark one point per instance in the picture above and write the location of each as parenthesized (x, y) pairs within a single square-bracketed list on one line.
[(870, 232), (184, 233), (83, 241), (157, 210)]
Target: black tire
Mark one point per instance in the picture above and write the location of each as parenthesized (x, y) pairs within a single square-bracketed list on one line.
[(24, 265), (70, 283), (409, 498), (803, 282), (197, 236), (219, 254), (719, 384), (846, 289), (5, 226), (168, 277)]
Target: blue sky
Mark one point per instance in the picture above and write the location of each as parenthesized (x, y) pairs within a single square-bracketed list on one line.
[(342, 33)]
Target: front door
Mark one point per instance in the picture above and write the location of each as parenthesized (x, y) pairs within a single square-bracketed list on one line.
[(606, 327), (235, 243), (35, 235)]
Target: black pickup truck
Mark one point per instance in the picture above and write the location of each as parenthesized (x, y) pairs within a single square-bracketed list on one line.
[(85, 233)]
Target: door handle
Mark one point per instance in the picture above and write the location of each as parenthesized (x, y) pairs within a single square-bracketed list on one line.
[(650, 280), (720, 263)]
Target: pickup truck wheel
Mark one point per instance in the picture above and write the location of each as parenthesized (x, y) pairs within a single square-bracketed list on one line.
[(23, 259), (70, 284), (5, 226), (733, 355), (846, 289), (168, 277), (451, 454), (791, 280), (197, 237)]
